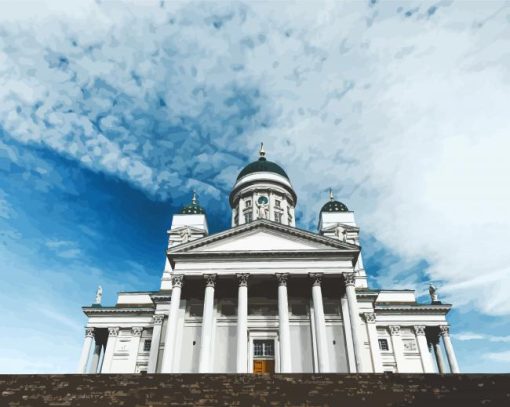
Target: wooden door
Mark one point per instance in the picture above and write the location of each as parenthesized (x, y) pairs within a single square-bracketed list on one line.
[(261, 366)]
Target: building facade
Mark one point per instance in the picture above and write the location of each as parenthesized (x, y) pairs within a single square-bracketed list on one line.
[(266, 297)]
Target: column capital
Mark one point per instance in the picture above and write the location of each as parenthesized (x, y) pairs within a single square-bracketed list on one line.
[(394, 330), (369, 317), (158, 319), (210, 280), (177, 280), (136, 330), (89, 332), (113, 331), (349, 279), (242, 279), (282, 278), (444, 330), (419, 330), (317, 278)]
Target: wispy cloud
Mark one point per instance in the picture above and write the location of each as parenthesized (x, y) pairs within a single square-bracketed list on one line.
[(501, 357), (64, 248), (473, 336)]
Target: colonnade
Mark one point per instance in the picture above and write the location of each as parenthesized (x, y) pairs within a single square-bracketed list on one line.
[(169, 363)]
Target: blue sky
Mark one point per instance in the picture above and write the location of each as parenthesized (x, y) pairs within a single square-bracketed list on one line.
[(111, 115)]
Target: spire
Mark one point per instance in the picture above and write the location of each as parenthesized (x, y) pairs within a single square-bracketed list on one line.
[(262, 152), (331, 197), (194, 199)]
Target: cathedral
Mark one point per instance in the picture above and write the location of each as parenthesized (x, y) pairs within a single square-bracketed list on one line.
[(266, 297)]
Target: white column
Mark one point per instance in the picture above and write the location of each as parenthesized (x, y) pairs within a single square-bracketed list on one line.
[(426, 359), (155, 342), (170, 337), (283, 316), (450, 354), (374, 342), (85, 350), (110, 349), (96, 355), (242, 324), (134, 346), (398, 347), (352, 301), (320, 323), (207, 325), (439, 356), (348, 335)]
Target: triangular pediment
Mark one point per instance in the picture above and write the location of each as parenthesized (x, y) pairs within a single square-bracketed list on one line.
[(261, 236)]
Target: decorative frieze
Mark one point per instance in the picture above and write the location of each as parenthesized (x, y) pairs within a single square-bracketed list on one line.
[(394, 330), (210, 280), (177, 280), (158, 319), (282, 278), (242, 279)]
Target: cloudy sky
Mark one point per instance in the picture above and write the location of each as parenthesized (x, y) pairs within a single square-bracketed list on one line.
[(112, 113)]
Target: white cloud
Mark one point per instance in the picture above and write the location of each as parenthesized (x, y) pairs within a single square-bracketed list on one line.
[(403, 114), (473, 336), (502, 357), (64, 248)]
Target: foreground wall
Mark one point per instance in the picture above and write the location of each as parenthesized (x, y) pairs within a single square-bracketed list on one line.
[(297, 389)]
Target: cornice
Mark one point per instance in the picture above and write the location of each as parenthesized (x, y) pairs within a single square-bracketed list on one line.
[(413, 308), (89, 311)]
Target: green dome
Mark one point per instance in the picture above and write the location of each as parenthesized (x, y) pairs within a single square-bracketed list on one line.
[(193, 208), (262, 165), (334, 206)]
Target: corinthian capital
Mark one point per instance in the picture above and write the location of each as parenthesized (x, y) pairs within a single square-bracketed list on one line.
[(317, 278), (89, 332), (113, 331), (444, 330), (419, 330), (210, 280), (136, 331), (282, 278), (394, 330), (242, 279), (158, 319), (369, 317), (349, 279), (177, 280)]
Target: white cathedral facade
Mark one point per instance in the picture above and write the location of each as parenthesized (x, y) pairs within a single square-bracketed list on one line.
[(266, 297)]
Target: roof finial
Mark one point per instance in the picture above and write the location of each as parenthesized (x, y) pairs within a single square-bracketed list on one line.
[(262, 153), (331, 197), (194, 199)]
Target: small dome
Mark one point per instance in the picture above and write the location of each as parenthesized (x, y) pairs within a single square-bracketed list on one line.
[(193, 208), (334, 206), (262, 165)]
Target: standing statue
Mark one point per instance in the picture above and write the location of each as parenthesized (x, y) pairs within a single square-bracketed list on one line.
[(433, 293), (186, 235), (99, 295), (262, 211)]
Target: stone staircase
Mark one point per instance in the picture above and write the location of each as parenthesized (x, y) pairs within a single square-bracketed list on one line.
[(256, 390)]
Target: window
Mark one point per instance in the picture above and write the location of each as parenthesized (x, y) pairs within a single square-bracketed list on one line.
[(331, 308), (299, 309), (263, 347), (248, 217), (278, 217), (228, 309), (248, 203), (147, 345), (277, 203), (383, 344), (196, 309)]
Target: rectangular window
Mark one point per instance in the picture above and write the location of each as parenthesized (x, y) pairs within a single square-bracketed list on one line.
[(196, 309), (278, 217), (299, 309), (263, 348), (383, 344), (147, 345), (277, 203), (248, 203), (248, 217)]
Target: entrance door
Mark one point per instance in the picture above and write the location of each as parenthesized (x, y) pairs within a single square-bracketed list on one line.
[(263, 356)]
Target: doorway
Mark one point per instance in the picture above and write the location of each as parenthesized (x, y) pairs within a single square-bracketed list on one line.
[(263, 356)]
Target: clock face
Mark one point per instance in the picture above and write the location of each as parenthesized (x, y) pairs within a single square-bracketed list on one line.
[(262, 200)]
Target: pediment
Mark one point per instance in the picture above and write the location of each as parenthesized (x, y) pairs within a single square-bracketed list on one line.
[(261, 236)]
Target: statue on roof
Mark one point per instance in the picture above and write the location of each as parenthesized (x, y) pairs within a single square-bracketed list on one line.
[(186, 235), (99, 295), (433, 294)]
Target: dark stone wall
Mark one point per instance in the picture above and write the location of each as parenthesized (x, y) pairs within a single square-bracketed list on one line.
[(256, 390)]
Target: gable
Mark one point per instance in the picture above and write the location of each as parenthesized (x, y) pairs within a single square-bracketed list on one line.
[(262, 240)]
